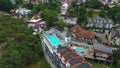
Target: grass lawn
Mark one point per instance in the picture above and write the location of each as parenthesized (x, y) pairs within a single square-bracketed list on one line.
[(101, 65), (42, 63)]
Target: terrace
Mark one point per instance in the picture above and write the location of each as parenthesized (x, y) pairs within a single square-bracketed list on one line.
[(71, 58), (54, 38)]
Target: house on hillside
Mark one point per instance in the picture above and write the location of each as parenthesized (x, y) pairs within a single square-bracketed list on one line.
[(60, 51), (64, 9), (36, 25), (23, 11), (85, 35), (16, 15), (99, 23), (32, 22), (114, 38), (102, 52)]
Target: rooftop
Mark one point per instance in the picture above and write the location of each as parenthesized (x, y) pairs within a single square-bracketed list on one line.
[(115, 33), (55, 38), (82, 33), (102, 48), (72, 58), (99, 20)]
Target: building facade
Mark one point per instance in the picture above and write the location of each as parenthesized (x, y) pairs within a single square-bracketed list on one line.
[(57, 47)]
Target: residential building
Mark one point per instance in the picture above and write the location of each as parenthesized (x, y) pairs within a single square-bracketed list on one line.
[(85, 35), (102, 52), (36, 24), (99, 22), (57, 47), (64, 9), (23, 11), (16, 15), (26, 1), (13, 1), (111, 2), (114, 38), (12, 10)]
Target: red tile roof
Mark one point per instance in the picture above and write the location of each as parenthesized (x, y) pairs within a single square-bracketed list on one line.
[(12, 10), (82, 33)]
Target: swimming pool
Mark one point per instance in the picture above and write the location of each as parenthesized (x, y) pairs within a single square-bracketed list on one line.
[(80, 50), (54, 40)]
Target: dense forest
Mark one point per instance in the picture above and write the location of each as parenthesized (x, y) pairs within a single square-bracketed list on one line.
[(18, 47)]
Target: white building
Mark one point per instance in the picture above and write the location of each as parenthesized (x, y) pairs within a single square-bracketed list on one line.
[(60, 52), (23, 11), (64, 8), (99, 22)]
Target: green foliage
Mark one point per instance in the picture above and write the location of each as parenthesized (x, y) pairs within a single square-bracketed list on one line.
[(114, 13), (27, 5), (90, 13), (99, 40), (16, 56), (5, 5), (74, 3), (118, 63), (54, 5), (61, 24), (18, 2), (21, 47), (82, 15), (116, 54), (102, 13), (73, 9), (93, 4), (71, 12), (50, 17)]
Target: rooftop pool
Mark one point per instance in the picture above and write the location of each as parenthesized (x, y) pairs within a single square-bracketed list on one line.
[(54, 40), (80, 50)]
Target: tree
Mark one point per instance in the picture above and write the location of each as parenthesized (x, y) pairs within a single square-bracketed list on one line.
[(73, 9), (17, 57), (118, 63), (93, 4), (90, 13), (5, 5), (116, 55), (50, 16), (18, 2), (71, 12), (102, 13), (114, 13), (82, 15), (61, 24), (28, 5), (54, 5), (19, 46), (74, 3)]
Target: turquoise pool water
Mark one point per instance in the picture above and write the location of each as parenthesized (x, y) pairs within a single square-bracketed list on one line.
[(54, 40), (80, 50)]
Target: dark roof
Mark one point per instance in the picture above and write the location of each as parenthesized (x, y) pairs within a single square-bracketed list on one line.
[(15, 14), (36, 26), (76, 61), (65, 51), (115, 33), (60, 48), (70, 56), (103, 48), (85, 65)]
